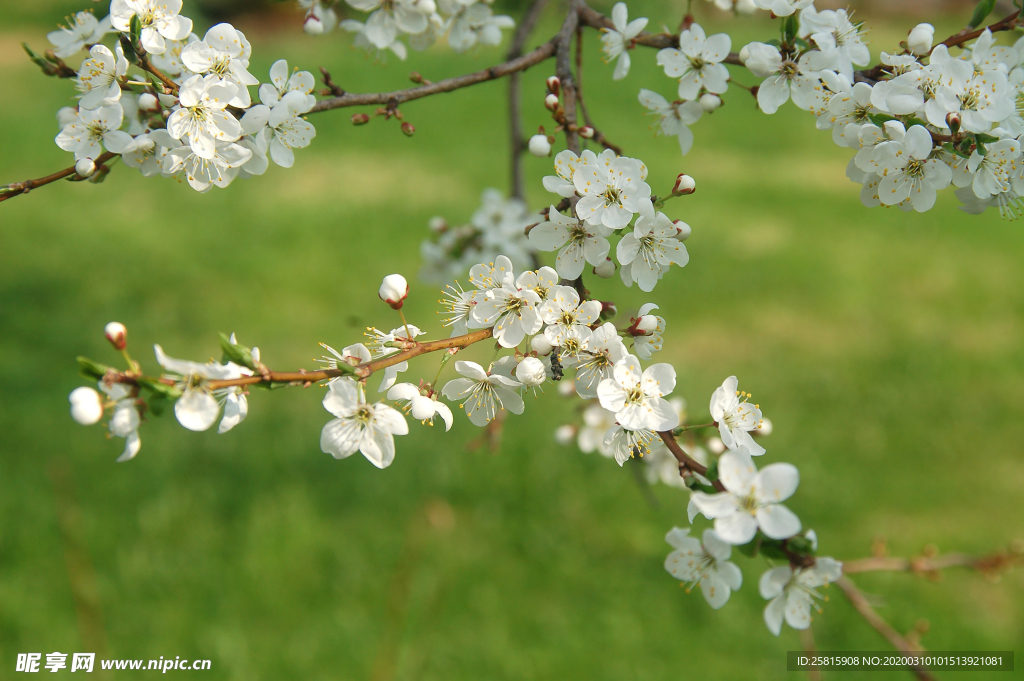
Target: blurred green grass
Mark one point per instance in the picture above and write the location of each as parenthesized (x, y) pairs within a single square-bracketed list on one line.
[(885, 347)]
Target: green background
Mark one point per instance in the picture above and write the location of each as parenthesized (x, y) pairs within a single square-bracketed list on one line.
[(885, 347)]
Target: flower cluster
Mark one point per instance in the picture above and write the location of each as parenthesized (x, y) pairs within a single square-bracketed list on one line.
[(208, 131), (465, 23)]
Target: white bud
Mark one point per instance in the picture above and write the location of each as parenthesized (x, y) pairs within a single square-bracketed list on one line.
[(255, 352), (531, 372), (919, 41), (66, 115), (427, 7), (541, 345), (554, 85), (148, 102), (587, 132), (765, 429), (116, 334), (709, 102), (539, 145), (421, 407), (86, 405), (682, 230), (684, 186), (313, 25), (564, 435), (85, 167), (745, 53), (647, 324), (551, 101), (394, 290), (605, 269)]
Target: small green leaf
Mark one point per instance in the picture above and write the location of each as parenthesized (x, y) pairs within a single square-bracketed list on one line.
[(159, 388), (712, 473), (135, 32), (235, 352), (801, 545), (881, 119), (157, 404), (773, 549), (789, 29), (982, 10), (91, 369)]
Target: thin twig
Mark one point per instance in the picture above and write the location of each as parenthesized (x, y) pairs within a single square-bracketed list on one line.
[(896, 640), (563, 69), (25, 186), (684, 459), (929, 564), (516, 140)]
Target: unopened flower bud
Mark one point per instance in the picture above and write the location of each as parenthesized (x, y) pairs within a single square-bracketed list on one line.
[(360, 119), (554, 85), (919, 41), (682, 230), (530, 372), (608, 310), (408, 128), (587, 132), (539, 145), (953, 121), (416, 77), (86, 406), (684, 185), (116, 334), (541, 345), (148, 102), (551, 102), (564, 435), (605, 269), (709, 102), (85, 167), (646, 325), (312, 25), (394, 290), (66, 115), (427, 7)]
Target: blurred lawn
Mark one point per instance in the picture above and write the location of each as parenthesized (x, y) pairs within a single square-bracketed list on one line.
[(885, 347)]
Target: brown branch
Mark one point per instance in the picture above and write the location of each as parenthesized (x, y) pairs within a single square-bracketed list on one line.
[(414, 348), (686, 463), (25, 186), (516, 139), (930, 564), (1007, 23), (397, 97), (169, 85), (563, 69), (896, 640)]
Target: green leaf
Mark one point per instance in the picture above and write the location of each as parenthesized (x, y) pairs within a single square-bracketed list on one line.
[(157, 404), (773, 549), (881, 119), (801, 545), (712, 473), (789, 28), (158, 388), (982, 10), (135, 33), (235, 352), (90, 369)]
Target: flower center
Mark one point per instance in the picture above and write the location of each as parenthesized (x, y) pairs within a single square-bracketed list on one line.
[(363, 414), (914, 169)]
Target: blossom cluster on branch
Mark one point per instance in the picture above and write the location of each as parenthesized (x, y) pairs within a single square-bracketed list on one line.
[(921, 120)]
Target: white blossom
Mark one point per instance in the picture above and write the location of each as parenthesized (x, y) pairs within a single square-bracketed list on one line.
[(483, 394), (793, 592), (531, 372), (124, 419), (563, 311), (98, 77), (919, 40), (611, 190), (703, 562), (577, 242), (224, 52), (735, 417), (510, 309), (93, 130), (751, 499), (616, 42), (421, 405), (86, 405), (674, 118), (202, 119), (784, 78), (198, 406), (363, 42), (281, 128), (359, 426), (783, 8), (476, 24), (837, 37), (907, 171), (160, 20), (697, 62), (601, 352), (203, 173), (647, 335), (993, 171), (388, 17), (650, 249), (82, 29), (637, 398)]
